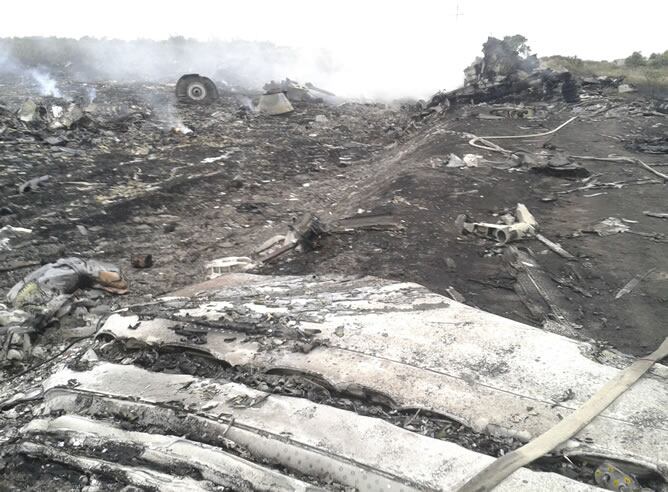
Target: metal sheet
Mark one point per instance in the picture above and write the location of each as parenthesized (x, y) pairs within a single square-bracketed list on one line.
[(319, 440), (425, 351)]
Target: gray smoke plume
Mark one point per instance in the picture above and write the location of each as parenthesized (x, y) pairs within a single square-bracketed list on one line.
[(92, 94), (246, 102), (47, 85), (246, 64)]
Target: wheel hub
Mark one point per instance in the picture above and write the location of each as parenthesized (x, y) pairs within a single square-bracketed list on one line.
[(196, 91)]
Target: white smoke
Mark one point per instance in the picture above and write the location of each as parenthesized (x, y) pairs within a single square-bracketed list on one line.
[(165, 114), (246, 102), (361, 71), (47, 85), (8, 64), (92, 94)]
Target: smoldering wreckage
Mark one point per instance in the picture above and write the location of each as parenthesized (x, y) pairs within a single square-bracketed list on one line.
[(226, 290)]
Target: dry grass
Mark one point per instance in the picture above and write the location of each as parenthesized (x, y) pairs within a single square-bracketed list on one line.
[(648, 79)]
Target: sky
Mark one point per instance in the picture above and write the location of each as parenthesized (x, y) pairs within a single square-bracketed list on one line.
[(379, 47)]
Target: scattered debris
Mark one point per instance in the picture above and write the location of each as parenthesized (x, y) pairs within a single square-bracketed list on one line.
[(610, 226), (524, 225), (274, 104), (131, 172), (545, 302), (455, 161), (507, 71), (303, 234), (221, 266), (625, 88), (633, 283), (365, 222), (649, 145), (523, 216), (33, 184), (566, 395), (19, 266), (7, 233), (514, 112), (452, 292), (65, 118), (141, 260), (485, 144), (658, 215), (294, 91), (472, 160), (561, 166), (624, 159), (611, 477), (556, 247), (469, 160), (29, 111)]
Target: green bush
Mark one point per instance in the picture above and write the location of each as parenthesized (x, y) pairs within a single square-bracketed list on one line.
[(658, 60), (635, 60)]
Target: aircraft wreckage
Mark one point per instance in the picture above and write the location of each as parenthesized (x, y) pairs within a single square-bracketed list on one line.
[(306, 375), (141, 417)]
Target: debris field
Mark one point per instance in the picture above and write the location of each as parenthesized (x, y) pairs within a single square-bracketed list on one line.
[(426, 286)]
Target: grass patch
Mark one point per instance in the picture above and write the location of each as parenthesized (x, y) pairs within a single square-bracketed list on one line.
[(651, 79)]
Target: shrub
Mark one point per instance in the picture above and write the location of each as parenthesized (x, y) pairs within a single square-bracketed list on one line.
[(635, 60)]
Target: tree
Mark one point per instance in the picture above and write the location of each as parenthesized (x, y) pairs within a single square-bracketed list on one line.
[(518, 43), (636, 60), (658, 60)]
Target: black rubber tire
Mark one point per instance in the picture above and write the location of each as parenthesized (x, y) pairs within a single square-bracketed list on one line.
[(195, 89)]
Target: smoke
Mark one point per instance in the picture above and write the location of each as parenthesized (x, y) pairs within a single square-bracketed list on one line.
[(389, 50), (246, 102), (8, 64), (92, 94), (165, 115), (364, 73), (170, 118), (47, 85), (11, 65)]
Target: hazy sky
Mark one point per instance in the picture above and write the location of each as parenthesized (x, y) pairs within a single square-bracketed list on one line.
[(380, 47)]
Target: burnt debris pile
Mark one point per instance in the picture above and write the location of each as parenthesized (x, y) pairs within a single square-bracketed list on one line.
[(507, 72)]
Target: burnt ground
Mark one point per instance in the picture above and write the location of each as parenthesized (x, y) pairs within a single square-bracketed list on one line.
[(138, 187), (429, 196), (133, 185)]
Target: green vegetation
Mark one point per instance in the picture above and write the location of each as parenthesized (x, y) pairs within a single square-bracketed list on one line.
[(649, 74), (518, 43), (655, 60), (635, 60)]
